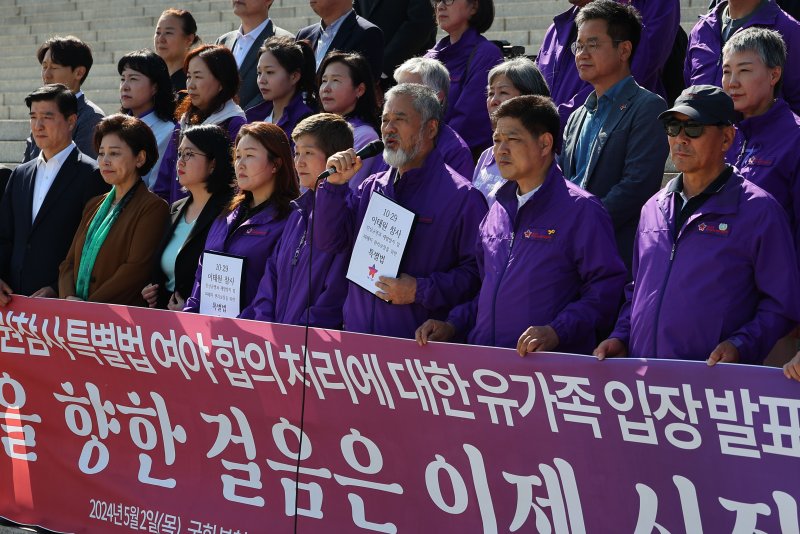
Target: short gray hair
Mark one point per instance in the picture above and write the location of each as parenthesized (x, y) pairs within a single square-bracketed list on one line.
[(433, 73), (768, 44), (523, 74), (422, 98)]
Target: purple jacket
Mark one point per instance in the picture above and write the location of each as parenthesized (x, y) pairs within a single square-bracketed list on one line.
[(487, 178), (363, 134), (296, 111), (283, 292), (704, 54), (254, 240), (454, 152), (765, 151), (730, 275), (554, 262), (440, 252), (660, 18), (469, 62)]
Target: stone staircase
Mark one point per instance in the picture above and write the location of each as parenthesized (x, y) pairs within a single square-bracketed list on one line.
[(115, 27)]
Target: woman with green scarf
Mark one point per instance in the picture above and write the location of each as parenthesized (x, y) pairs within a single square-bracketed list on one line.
[(113, 251)]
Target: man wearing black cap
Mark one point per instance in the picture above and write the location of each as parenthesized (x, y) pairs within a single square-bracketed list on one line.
[(714, 267)]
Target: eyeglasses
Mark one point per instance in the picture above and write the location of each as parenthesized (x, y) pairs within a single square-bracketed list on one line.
[(590, 46), (692, 129), (187, 155), (445, 2)]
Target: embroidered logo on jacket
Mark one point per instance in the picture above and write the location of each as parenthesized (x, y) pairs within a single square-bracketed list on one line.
[(540, 234), (714, 228)]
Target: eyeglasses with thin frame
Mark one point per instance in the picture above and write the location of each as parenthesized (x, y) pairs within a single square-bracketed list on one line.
[(445, 2), (187, 155), (692, 129), (590, 46)]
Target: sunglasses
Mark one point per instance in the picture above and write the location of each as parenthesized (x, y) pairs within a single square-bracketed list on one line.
[(692, 129)]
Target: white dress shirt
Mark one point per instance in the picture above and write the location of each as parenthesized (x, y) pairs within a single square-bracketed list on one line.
[(327, 36), (46, 171), (244, 42)]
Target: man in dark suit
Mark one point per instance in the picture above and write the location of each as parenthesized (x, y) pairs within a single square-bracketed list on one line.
[(256, 28), (68, 60), (614, 145), (409, 29), (45, 197), (342, 29), (5, 172)]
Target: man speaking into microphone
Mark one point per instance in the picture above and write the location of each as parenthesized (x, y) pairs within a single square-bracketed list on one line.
[(438, 270)]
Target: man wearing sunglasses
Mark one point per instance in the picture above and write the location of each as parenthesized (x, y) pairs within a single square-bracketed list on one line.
[(715, 272)]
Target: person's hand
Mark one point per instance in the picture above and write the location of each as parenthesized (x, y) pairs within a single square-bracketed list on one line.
[(537, 339), (176, 302), (792, 369), (75, 298), (346, 163), (401, 290), (150, 294), (433, 330), (46, 292), (5, 294), (726, 352), (610, 348)]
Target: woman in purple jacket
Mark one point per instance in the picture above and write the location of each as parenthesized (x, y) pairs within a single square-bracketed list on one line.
[(299, 285), (287, 81), (468, 56), (254, 221), (346, 87)]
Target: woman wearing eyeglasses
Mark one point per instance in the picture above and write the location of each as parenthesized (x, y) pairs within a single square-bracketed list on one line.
[(469, 57), (205, 171)]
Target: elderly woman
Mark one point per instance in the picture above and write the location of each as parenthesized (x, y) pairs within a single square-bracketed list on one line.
[(515, 77), (468, 56), (113, 250), (205, 171)]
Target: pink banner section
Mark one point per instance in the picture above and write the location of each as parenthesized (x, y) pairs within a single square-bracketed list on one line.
[(116, 419)]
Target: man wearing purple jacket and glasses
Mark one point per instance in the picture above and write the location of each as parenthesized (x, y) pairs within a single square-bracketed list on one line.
[(714, 266)]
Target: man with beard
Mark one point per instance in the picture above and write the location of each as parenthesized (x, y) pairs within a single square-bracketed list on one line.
[(439, 270)]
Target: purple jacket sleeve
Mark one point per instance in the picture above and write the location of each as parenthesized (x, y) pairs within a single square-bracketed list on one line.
[(192, 304), (777, 279), (660, 25), (464, 316), (449, 288), (336, 217), (622, 328), (602, 274), (263, 306), (326, 311)]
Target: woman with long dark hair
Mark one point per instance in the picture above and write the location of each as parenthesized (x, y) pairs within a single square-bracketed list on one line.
[(255, 218), (287, 81)]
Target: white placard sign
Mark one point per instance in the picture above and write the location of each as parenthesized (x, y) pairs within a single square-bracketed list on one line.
[(380, 242), (221, 284)]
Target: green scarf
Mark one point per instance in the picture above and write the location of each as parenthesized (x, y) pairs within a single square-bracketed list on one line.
[(95, 237)]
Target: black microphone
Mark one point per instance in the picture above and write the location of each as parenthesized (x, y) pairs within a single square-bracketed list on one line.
[(370, 150)]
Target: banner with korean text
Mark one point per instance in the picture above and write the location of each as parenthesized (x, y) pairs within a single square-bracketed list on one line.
[(116, 419)]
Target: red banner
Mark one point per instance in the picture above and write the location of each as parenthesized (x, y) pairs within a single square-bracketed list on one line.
[(116, 419)]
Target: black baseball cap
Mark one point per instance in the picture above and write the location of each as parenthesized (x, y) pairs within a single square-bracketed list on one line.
[(706, 104)]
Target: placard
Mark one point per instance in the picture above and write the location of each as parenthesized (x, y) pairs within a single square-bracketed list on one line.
[(380, 243), (221, 284)]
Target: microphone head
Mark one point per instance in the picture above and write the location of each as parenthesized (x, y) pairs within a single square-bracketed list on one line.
[(371, 150)]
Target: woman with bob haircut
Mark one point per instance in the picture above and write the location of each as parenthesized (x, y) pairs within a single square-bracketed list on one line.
[(255, 218), (346, 88), (287, 80), (205, 171), (145, 91), (175, 35), (111, 256), (468, 56)]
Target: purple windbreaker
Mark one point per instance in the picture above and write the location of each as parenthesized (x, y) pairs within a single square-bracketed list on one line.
[(295, 111), (254, 240), (283, 292), (440, 252), (730, 275), (466, 103), (554, 262), (704, 54)]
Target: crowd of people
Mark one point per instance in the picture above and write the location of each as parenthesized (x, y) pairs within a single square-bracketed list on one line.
[(541, 220)]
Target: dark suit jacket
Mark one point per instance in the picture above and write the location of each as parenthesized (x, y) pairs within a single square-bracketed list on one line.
[(626, 164), (125, 260), (89, 114), (5, 173), (189, 253), (355, 35), (249, 95), (409, 28), (30, 252)]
